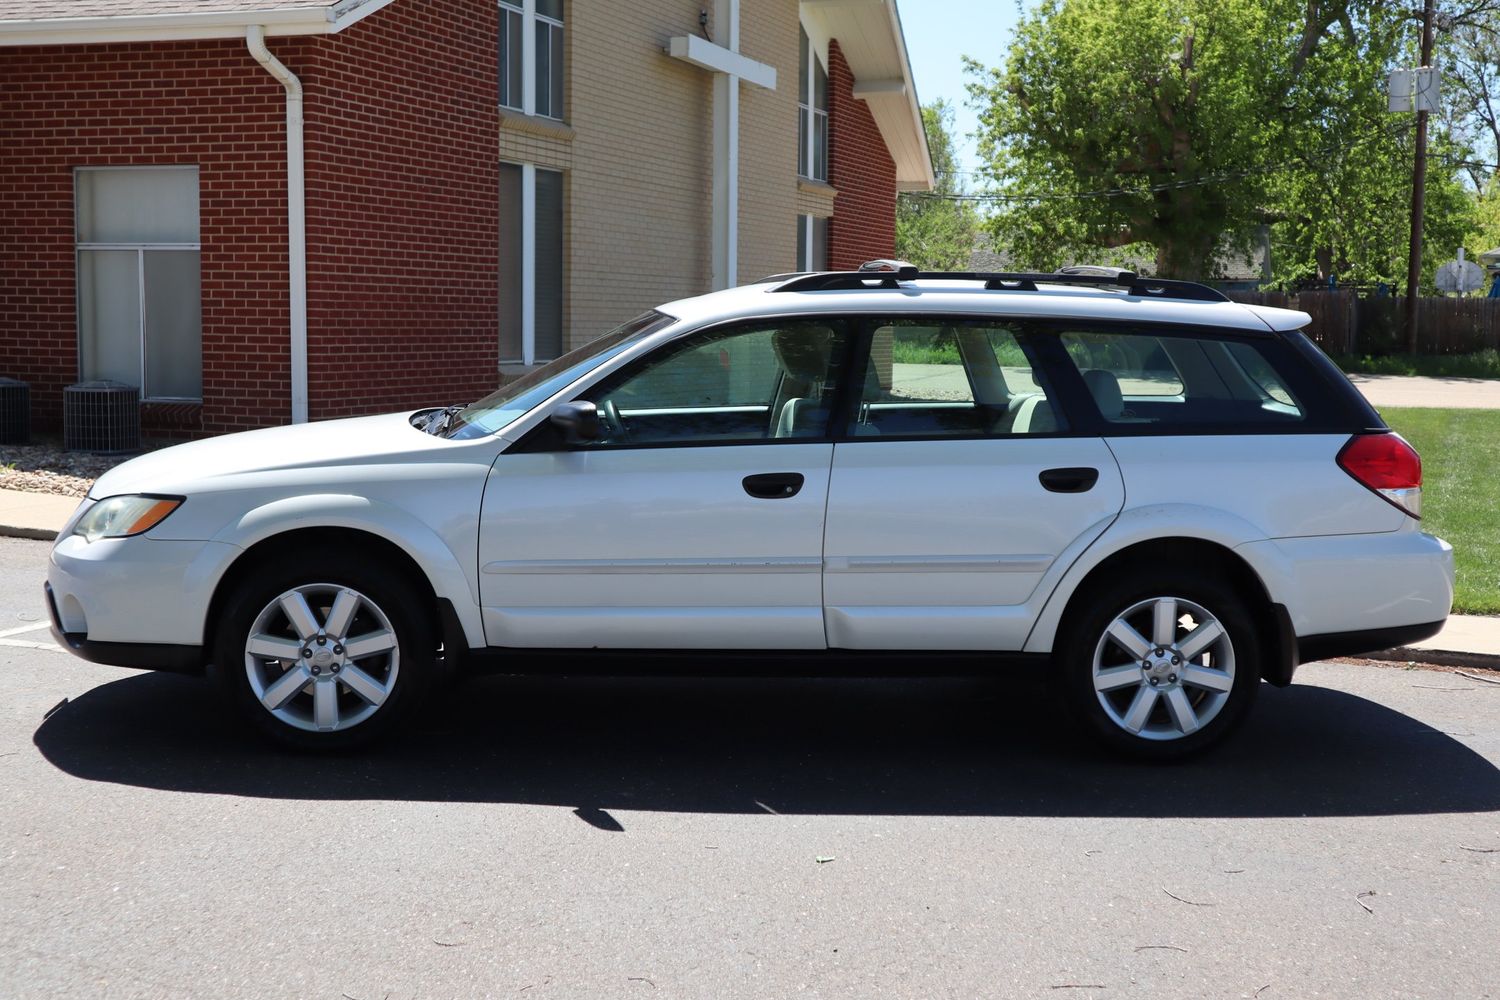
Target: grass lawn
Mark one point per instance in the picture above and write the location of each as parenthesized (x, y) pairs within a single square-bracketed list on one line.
[(1461, 494)]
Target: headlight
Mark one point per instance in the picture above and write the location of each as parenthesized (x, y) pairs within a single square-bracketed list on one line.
[(120, 517)]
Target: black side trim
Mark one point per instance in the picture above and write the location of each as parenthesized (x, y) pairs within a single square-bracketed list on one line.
[(1321, 647), (745, 663), (137, 655), (1281, 662)]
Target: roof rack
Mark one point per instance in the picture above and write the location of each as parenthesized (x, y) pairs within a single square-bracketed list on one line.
[(1014, 281)]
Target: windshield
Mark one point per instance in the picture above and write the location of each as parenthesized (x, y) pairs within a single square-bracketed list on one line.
[(512, 400)]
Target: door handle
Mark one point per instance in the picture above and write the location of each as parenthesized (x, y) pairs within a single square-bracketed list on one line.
[(1079, 480), (773, 485)]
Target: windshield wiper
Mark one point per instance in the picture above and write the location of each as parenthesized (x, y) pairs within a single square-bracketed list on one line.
[(441, 419)]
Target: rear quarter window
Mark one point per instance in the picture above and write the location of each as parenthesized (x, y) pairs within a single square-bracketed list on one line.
[(1149, 381)]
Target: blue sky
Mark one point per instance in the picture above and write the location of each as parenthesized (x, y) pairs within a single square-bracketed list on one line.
[(937, 33)]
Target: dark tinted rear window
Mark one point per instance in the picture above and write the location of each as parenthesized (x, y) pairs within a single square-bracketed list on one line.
[(1147, 379)]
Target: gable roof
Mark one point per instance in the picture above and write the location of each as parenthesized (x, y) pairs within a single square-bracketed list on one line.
[(70, 22), (870, 36)]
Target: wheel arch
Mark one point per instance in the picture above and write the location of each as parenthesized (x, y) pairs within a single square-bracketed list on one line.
[(1201, 541), (270, 531)]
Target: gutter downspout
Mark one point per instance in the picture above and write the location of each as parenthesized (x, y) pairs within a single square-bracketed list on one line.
[(296, 217)]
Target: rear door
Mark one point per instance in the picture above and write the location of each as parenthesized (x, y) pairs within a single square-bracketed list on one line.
[(956, 492)]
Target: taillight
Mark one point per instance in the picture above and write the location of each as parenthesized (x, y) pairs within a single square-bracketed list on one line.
[(1388, 465)]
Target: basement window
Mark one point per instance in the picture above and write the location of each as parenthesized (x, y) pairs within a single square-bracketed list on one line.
[(140, 308)]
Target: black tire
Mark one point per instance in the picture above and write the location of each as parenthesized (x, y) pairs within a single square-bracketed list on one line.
[(398, 601), (1104, 715)]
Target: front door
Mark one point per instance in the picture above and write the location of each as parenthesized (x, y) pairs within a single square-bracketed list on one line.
[(955, 492), (694, 521)]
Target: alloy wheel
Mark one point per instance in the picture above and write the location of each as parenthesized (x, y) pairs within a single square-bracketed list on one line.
[(1163, 669), (322, 657)]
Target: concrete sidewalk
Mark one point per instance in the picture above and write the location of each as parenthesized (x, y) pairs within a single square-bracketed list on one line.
[(34, 515), (1467, 640), (1444, 392)]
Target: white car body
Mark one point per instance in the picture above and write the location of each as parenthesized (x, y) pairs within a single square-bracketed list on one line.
[(890, 545)]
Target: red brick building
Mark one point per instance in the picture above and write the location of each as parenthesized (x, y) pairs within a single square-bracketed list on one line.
[(269, 210)]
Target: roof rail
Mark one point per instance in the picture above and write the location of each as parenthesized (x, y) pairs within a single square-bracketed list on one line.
[(1015, 281)]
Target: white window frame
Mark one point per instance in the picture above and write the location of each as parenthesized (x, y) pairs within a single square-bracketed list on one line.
[(810, 112), (79, 247), (529, 20), (807, 241), (528, 265)]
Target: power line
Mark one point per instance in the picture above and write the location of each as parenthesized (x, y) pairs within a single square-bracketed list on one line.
[(1121, 192)]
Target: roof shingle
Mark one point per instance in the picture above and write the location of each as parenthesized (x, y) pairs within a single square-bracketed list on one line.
[(46, 10)]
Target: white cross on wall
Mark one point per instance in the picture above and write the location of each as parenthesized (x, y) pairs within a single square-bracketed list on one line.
[(729, 68)]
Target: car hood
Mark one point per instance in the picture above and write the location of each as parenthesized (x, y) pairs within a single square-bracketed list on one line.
[(226, 461)]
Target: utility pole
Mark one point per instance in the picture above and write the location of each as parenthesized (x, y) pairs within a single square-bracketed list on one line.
[(1418, 195)]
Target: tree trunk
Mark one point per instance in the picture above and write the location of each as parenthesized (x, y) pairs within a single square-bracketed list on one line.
[(1186, 257)]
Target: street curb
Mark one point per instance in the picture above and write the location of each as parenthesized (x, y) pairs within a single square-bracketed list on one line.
[(1441, 657), (16, 531)]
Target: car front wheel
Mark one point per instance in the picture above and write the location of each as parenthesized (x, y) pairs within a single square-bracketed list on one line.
[(1161, 668), (328, 657)]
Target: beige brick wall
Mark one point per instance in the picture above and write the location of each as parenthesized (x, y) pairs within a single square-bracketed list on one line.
[(637, 149), (815, 199)]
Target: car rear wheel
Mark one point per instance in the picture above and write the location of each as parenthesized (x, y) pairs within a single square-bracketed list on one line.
[(1161, 667), (328, 657)]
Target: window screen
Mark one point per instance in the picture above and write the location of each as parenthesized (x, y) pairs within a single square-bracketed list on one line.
[(549, 264), (139, 301)]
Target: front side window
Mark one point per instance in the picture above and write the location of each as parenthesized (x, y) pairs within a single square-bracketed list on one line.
[(531, 56), (514, 400), (812, 113), (531, 263), (760, 383), (139, 300), (1145, 380), (936, 378)]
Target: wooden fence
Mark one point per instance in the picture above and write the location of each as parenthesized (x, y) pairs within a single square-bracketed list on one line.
[(1344, 323)]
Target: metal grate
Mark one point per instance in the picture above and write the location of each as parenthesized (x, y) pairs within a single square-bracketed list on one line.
[(15, 411), (102, 417)]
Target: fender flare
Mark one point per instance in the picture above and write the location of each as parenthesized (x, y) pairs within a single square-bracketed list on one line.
[(437, 561), (1158, 522)]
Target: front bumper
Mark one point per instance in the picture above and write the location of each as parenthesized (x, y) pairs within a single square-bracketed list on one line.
[(134, 602), (138, 655)]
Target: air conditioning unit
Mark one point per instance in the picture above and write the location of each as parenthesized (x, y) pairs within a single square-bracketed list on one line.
[(15, 411), (102, 417)]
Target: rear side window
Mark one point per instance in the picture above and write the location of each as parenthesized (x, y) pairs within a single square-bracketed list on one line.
[(1171, 382), (951, 378)]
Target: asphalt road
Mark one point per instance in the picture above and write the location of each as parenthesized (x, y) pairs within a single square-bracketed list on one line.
[(633, 838)]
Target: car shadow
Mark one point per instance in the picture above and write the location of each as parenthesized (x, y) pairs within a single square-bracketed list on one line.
[(798, 746)]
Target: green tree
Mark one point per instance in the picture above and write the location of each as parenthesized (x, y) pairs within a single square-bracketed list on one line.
[(1185, 126), (1342, 203), (936, 230)]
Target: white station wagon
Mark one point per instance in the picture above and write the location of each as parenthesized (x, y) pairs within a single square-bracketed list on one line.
[(1157, 495)]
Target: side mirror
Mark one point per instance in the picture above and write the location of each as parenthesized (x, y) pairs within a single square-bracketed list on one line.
[(578, 420)]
